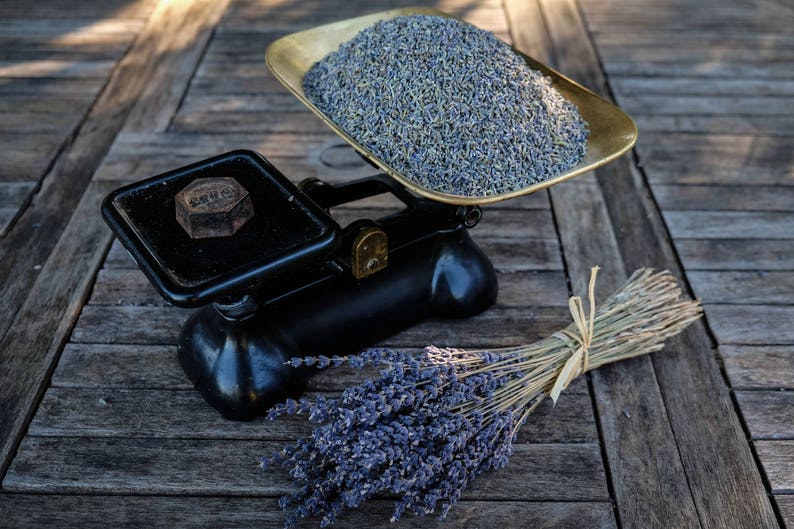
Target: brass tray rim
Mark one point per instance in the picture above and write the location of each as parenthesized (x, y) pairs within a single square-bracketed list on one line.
[(448, 198)]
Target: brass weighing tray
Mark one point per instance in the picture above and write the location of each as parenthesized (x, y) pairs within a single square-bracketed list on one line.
[(612, 131)]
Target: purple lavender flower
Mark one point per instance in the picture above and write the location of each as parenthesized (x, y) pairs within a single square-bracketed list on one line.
[(449, 106), (416, 432)]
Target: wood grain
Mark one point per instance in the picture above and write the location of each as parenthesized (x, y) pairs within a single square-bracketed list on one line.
[(724, 86), (759, 367), (785, 505), (767, 414), (735, 254), (719, 159), (156, 367), (743, 287), (494, 328), (724, 198), (777, 458), (730, 224), (183, 414), (560, 472), (30, 348), (710, 105), (212, 512), (751, 324)]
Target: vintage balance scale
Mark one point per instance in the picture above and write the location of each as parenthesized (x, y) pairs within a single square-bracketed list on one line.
[(277, 277)]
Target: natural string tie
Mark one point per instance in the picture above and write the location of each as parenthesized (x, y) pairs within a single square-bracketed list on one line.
[(579, 361)]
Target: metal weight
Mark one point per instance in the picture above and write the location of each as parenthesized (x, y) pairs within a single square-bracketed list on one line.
[(213, 207)]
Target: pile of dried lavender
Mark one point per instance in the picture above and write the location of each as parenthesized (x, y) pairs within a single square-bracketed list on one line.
[(448, 105), (430, 424)]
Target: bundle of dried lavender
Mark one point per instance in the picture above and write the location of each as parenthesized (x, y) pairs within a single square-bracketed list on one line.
[(430, 424)]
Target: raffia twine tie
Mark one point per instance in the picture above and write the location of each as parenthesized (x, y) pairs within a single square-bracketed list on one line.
[(579, 361)]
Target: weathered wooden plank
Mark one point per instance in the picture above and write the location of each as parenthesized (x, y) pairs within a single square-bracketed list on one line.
[(135, 145), (129, 325), (46, 308), (647, 11), (55, 11), (119, 366), (37, 107), (773, 125), (7, 216), (14, 194), (298, 156), (53, 68), (183, 414), (31, 123), (45, 87), (724, 198), (91, 512), (735, 254), (689, 86), (334, 169), (493, 328), (777, 458), (676, 104), (163, 92), (31, 49), (785, 505), (516, 289), (156, 367), (489, 17), (742, 288), (669, 20), (730, 224), (125, 286), (716, 159), (706, 68), (26, 157), (684, 41), (37, 330), (277, 101), (234, 83), (751, 324), (275, 122), (721, 474), (649, 486), (518, 254), (560, 472), (768, 414), (688, 52), (763, 367), (679, 23)]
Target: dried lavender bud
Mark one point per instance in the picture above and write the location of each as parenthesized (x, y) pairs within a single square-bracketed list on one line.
[(408, 433), (449, 106)]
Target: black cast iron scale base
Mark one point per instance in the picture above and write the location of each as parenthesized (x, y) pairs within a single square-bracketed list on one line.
[(291, 281)]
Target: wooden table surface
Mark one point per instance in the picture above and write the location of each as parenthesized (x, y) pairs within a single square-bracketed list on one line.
[(100, 427)]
